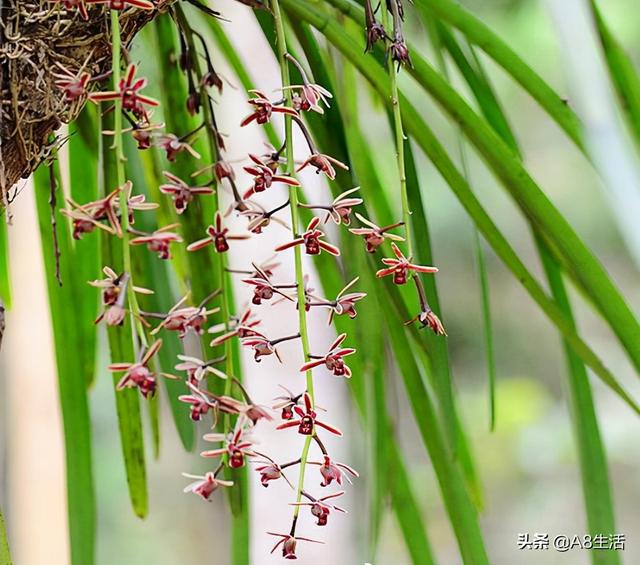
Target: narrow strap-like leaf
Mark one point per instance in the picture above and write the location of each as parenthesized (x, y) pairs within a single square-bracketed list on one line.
[(72, 380), (5, 281), (593, 464), (5, 554), (596, 488), (624, 76), (352, 48), (122, 350), (83, 177), (580, 261)]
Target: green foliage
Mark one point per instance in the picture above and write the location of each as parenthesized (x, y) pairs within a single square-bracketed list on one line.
[(330, 40)]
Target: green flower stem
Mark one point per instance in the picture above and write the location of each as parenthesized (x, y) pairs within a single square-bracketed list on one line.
[(120, 175), (399, 132), (295, 222)]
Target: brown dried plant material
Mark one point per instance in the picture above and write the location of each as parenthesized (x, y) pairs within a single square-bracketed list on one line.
[(38, 40)]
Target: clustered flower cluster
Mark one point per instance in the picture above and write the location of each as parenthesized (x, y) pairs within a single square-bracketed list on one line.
[(235, 444)]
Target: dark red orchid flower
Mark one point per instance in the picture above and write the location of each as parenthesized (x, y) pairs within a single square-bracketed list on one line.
[(401, 266), (181, 192), (242, 327), (173, 145), (138, 375), (205, 485), (185, 318), (319, 507), (264, 109), (333, 360), (269, 471), (129, 87), (199, 403), (307, 421), (374, 235), (218, 236), (113, 285), (264, 176), (312, 241), (334, 471), (159, 241), (237, 446), (288, 543), (323, 164), (74, 87)]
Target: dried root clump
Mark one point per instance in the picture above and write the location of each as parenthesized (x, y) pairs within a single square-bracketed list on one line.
[(42, 42)]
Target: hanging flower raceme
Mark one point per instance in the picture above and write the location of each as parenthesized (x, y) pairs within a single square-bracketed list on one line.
[(264, 109), (374, 235), (401, 266), (289, 543), (264, 176), (205, 485), (319, 507), (139, 375), (323, 164), (333, 360), (340, 209), (181, 192), (174, 145), (331, 471), (129, 87), (218, 236), (241, 327), (307, 421), (312, 241), (182, 319), (159, 241), (236, 446)]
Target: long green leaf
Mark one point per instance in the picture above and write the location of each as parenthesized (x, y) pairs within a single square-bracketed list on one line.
[(72, 380), (122, 351), (462, 513), (83, 177), (624, 76), (482, 36), (536, 206), (5, 281), (5, 554), (593, 464), (352, 48)]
